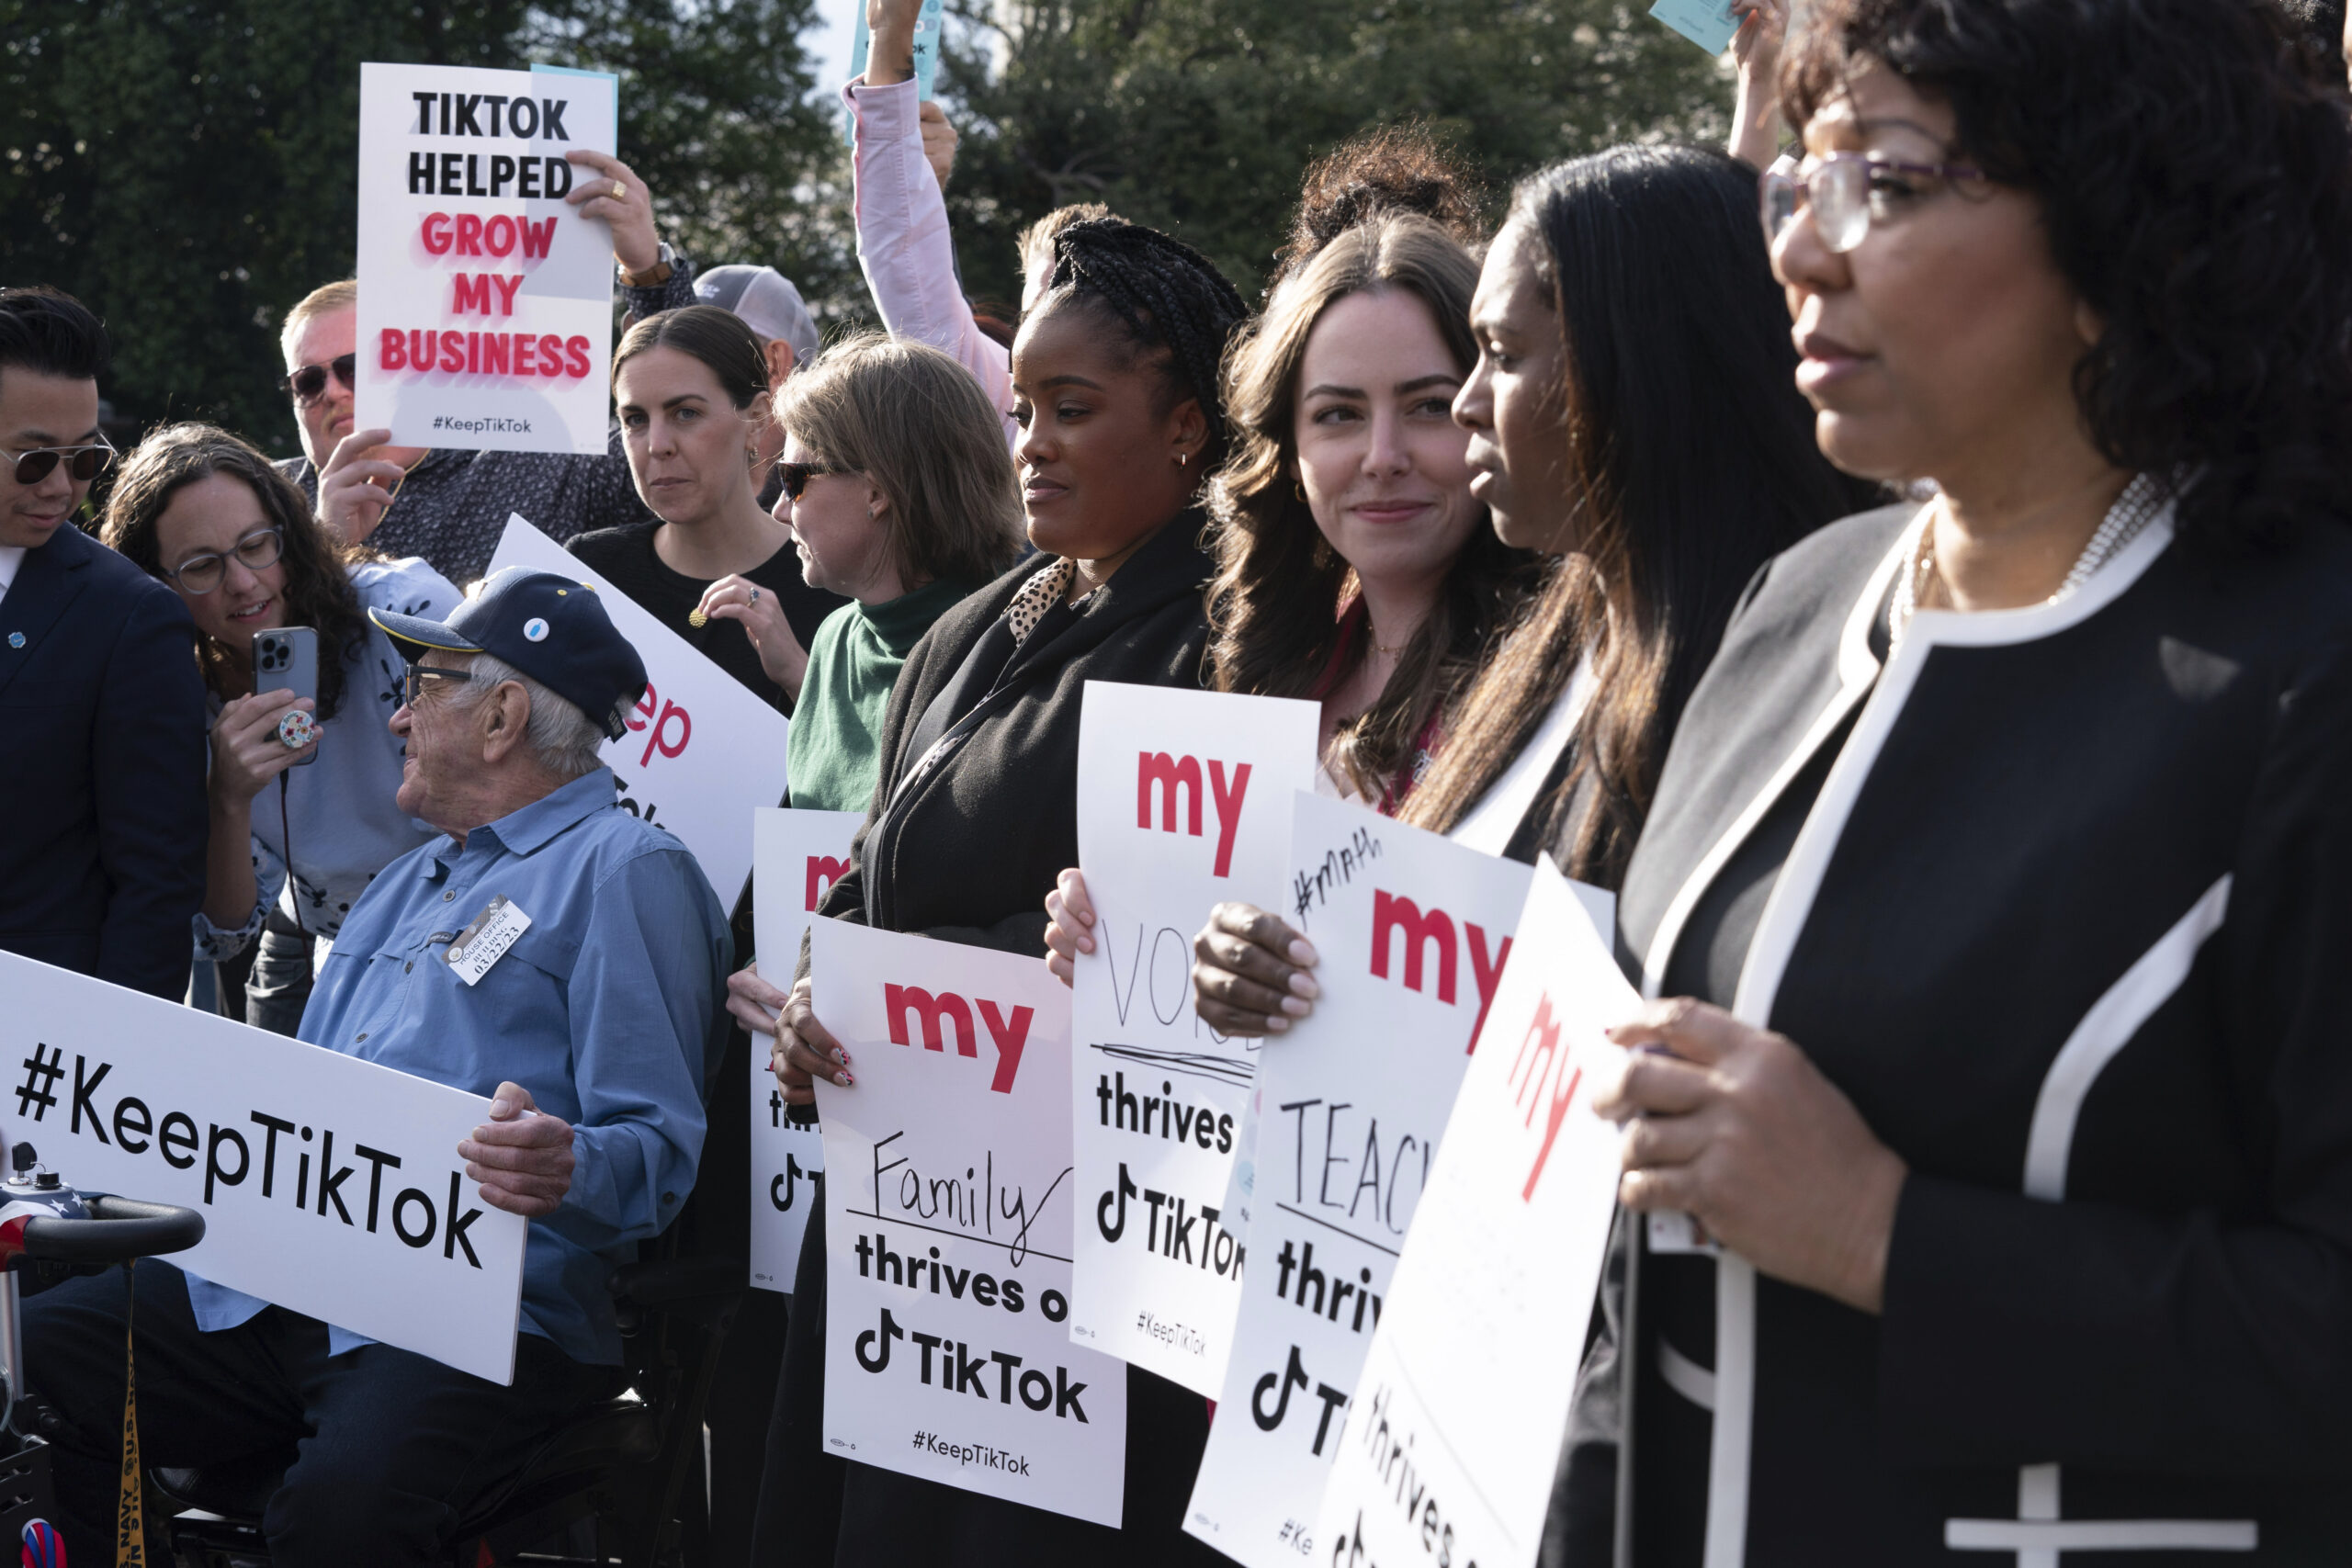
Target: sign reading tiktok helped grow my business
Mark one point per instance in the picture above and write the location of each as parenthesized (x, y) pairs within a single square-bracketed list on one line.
[(1463, 1400), (702, 751), (1184, 802), (796, 856), (1412, 932), (329, 1185), (485, 299), (947, 1227)]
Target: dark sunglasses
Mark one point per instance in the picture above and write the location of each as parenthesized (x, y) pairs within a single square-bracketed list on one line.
[(797, 475), (418, 674), (81, 463), (310, 383)]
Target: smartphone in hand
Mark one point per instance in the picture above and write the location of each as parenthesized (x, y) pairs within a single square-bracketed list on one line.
[(287, 659)]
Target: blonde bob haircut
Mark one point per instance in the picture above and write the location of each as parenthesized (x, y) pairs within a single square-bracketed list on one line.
[(918, 427)]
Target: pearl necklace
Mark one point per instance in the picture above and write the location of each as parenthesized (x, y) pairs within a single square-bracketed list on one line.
[(2125, 521)]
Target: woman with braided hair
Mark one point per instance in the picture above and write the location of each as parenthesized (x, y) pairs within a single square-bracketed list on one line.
[(1114, 378)]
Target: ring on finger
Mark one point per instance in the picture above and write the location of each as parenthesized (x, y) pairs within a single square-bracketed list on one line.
[(620, 191)]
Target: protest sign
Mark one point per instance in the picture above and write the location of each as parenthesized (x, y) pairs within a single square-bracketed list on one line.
[(1412, 932), (485, 299), (1707, 23), (795, 857), (927, 25), (1184, 802), (947, 1230), (1463, 1401), (702, 751), (328, 1185)]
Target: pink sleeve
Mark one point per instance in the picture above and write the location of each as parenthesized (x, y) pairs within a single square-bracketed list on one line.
[(903, 244)]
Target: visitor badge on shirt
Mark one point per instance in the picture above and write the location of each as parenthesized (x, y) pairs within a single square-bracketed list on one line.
[(485, 941)]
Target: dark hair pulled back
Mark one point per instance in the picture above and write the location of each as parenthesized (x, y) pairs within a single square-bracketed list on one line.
[(720, 339)]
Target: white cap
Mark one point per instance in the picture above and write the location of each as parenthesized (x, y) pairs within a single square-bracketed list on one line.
[(765, 301)]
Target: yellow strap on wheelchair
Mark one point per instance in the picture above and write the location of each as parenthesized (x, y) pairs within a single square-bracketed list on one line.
[(131, 1513)]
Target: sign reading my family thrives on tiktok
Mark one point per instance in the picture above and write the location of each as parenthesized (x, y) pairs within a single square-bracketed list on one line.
[(796, 856), (485, 299), (1412, 933), (1463, 1400), (1184, 802), (701, 753), (947, 1227)]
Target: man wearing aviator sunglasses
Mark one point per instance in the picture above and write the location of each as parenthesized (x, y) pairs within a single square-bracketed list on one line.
[(102, 862)]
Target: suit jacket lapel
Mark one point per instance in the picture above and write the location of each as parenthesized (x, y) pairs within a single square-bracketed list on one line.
[(49, 580)]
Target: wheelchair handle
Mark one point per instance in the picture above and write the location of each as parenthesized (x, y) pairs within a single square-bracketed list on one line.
[(119, 1229)]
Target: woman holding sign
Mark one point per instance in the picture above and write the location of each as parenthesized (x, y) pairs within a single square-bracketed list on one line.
[(1116, 374), (2001, 875), (212, 516)]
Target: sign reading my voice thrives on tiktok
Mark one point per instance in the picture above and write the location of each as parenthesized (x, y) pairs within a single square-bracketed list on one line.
[(485, 299)]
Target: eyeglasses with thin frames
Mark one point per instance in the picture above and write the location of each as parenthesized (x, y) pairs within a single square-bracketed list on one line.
[(83, 463), (1846, 191), (257, 551), (310, 383), (420, 675)]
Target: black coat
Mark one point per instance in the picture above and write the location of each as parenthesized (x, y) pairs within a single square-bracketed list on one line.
[(102, 760), (2061, 898), (966, 852)]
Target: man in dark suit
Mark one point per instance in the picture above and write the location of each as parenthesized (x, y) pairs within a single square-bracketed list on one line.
[(102, 712)]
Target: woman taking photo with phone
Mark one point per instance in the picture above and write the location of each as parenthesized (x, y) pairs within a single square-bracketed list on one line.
[(690, 388), (1115, 378), (208, 514)]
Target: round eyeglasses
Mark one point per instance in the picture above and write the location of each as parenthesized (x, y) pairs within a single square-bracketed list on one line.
[(256, 550), (1846, 190)]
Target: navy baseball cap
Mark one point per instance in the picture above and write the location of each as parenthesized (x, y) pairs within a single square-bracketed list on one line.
[(551, 628)]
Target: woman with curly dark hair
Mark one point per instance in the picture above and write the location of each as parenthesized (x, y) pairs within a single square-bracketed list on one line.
[(1995, 897), (212, 517)]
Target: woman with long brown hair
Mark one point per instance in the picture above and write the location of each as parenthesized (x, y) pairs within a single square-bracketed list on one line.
[(1632, 415)]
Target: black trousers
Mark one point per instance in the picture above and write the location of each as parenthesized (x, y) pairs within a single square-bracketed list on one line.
[(391, 1447)]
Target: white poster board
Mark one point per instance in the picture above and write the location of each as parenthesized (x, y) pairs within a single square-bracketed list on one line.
[(796, 856), (701, 753), (329, 1186), (1183, 803), (947, 1227), (1463, 1402), (485, 299), (1412, 932)]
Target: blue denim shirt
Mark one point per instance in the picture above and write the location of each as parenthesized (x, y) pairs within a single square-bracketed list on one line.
[(608, 1009)]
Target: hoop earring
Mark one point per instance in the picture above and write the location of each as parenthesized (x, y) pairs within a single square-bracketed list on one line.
[(1298, 490)]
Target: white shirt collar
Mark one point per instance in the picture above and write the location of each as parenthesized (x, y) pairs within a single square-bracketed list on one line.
[(12, 556)]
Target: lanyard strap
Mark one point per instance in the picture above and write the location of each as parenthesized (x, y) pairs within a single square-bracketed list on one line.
[(131, 1513)]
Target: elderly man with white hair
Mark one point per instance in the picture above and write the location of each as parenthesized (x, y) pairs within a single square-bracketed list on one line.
[(552, 952)]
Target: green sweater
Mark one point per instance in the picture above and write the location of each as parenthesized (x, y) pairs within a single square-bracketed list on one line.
[(833, 755)]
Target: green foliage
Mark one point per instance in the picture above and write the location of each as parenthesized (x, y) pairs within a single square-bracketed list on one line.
[(189, 169), (1197, 116)]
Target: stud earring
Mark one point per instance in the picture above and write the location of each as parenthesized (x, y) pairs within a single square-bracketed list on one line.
[(1298, 490)]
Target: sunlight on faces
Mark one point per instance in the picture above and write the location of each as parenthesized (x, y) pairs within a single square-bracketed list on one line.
[(1945, 343), (688, 445), (443, 749), (1098, 436), (843, 540), (323, 339), (207, 517), (42, 410), (1514, 404), (1379, 456)]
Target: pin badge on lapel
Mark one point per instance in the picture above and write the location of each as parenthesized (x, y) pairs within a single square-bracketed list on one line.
[(16, 639)]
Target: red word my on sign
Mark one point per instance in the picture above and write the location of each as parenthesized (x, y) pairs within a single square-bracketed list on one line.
[(1400, 915), (933, 1011), (1548, 1061), (823, 872), (1175, 775)]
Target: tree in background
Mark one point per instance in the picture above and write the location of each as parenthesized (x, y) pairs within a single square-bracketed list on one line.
[(190, 170), (1197, 116)]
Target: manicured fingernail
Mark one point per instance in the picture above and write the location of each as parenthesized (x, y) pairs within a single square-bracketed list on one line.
[(1303, 985), (1301, 950), (1297, 1005), (843, 1079), (1277, 1024), (841, 1057), (1086, 945)]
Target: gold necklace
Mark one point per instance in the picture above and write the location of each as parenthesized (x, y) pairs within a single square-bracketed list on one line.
[(398, 484)]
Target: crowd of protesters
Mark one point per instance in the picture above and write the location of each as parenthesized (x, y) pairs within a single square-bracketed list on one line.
[(1905, 558)]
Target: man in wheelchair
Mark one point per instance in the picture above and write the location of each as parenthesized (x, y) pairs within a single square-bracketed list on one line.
[(554, 953)]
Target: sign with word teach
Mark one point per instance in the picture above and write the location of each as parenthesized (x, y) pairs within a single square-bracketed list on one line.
[(329, 1186), (948, 1223), (796, 856), (1412, 932), (485, 299), (702, 751), (1183, 803), (1461, 1402)]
